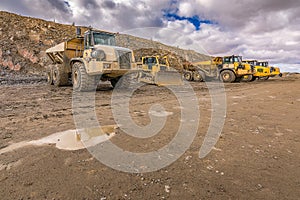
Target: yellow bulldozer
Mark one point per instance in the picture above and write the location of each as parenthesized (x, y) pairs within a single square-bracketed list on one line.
[(228, 69), (156, 70)]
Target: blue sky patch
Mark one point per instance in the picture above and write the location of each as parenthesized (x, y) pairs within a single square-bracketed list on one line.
[(195, 20)]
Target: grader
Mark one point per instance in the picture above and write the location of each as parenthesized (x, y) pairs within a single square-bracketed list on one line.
[(87, 59)]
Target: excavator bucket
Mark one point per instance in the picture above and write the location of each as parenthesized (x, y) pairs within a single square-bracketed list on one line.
[(168, 78)]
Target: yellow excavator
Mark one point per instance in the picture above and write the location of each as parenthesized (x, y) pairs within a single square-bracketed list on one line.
[(156, 70)]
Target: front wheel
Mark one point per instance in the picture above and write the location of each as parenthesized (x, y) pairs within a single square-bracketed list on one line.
[(81, 80), (227, 76)]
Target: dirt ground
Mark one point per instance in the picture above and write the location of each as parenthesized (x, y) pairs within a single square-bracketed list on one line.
[(256, 157)]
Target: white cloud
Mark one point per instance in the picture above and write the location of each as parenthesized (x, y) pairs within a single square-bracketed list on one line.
[(266, 30)]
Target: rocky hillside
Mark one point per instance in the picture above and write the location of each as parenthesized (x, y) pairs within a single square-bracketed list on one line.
[(24, 40)]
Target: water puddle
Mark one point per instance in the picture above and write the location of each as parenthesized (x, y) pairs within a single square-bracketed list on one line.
[(70, 140)]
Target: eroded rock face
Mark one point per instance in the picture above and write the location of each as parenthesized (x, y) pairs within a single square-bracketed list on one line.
[(24, 40)]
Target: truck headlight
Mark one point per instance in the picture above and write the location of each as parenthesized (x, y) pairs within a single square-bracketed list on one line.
[(99, 55)]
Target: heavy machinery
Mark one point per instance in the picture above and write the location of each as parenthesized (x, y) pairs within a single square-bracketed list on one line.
[(201, 71), (262, 71), (228, 69), (156, 70), (274, 71), (88, 59)]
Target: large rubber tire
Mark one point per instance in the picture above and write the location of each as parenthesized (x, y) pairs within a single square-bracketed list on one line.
[(188, 76), (247, 78), (81, 80), (199, 76), (49, 73), (227, 76), (253, 78), (60, 78)]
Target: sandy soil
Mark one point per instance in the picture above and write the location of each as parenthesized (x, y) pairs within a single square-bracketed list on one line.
[(256, 157)]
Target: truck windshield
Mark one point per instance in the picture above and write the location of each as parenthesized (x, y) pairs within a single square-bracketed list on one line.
[(237, 59), (104, 39)]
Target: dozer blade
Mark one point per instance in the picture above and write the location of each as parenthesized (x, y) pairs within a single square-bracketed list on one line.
[(168, 78)]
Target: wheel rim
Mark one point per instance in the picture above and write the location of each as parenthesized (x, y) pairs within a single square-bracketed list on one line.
[(226, 76), (187, 76)]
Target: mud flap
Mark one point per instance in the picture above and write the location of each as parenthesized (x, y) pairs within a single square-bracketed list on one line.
[(168, 78)]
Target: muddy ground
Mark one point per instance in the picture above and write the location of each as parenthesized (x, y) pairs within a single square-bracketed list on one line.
[(256, 157)]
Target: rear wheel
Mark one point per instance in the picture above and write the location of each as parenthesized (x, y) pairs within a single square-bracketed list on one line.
[(81, 80), (253, 78), (60, 78), (199, 76), (50, 75), (227, 76), (188, 76)]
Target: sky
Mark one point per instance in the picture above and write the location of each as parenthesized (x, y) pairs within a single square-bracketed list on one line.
[(256, 29)]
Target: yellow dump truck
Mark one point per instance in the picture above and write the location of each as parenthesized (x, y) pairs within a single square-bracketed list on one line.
[(262, 71), (156, 70), (228, 69), (274, 71), (87, 59)]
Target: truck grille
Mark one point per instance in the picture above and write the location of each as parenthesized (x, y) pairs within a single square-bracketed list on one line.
[(124, 58)]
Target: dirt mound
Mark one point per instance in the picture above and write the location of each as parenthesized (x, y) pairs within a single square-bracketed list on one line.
[(24, 40)]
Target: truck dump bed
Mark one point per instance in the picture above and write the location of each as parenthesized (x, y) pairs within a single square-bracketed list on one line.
[(65, 51)]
